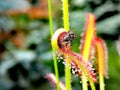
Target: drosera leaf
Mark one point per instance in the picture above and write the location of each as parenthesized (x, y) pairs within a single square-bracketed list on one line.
[(79, 63), (101, 56), (88, 36), (101, 59), (86, 43), (58, 43), (75, 59)]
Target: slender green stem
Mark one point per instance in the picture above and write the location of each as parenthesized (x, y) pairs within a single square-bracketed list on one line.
[(85, 78), (56, 69), (84, 82), (50, 17), (65, 15), (91, 83), (53, 51), (66, 27), (68, 75)]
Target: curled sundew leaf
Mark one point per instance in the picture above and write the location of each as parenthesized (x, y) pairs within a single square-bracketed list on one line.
[(62, 39), (101, 56), (56, 38), (76, 60), (51, 77), (88, 36), (59, 43)]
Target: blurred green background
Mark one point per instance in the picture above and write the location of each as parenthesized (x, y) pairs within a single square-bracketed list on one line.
[(25, 50)]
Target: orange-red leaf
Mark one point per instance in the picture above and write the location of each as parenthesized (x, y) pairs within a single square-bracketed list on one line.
[(101, 52)]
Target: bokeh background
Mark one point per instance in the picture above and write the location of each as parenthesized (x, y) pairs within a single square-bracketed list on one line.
[(25, 50)]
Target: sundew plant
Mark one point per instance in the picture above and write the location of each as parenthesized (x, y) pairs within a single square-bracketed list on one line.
[(89, 64)]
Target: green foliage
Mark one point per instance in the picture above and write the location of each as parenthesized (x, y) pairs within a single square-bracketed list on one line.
[(6, 5)]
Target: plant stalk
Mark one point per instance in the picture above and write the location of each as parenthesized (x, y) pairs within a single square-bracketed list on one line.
[(53, 51), (65, 15), (66, 27), (84, 82), (101, 81)]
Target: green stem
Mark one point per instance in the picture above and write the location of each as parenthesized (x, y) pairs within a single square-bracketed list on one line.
[(101, 81), (56, 69), (50, 17), (84, 82), (53, 51), (68, 75), (84, 77), (65, 15), (91, 83), (66, 27)]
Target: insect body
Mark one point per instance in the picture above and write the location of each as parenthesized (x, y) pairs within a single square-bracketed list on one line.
[(69, 36), (66, 39)]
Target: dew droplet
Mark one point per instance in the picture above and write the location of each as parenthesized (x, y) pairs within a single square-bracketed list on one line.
[(57, 58), (64, 63)]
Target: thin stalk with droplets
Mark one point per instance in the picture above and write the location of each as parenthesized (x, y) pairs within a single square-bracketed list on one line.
[(66, 27)]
